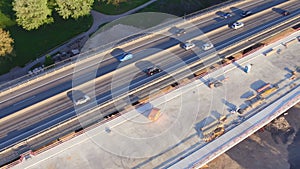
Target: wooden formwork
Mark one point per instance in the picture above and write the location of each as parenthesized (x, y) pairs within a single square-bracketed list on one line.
[(279, 36)]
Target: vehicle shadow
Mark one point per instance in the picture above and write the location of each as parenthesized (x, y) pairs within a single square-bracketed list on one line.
[(229, 105), (206, 121), (73, 94), (238, 66), (116, 52), (247, 94), (220, 14), (257, 84), (218, 19), (236, 11), (278, 10)]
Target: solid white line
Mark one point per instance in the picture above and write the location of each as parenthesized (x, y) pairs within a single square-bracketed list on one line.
[(135, 48), (24, 100)]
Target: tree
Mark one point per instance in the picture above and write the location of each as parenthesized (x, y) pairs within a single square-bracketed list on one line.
[(6, 42), (73, 8), (31, 14)]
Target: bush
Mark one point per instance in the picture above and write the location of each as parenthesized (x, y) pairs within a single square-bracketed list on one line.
[(48, 61)]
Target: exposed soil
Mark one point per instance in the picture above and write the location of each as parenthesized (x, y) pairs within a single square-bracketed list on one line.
[(270, 149)]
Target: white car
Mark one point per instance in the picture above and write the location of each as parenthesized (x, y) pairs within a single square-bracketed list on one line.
[(237, 25), (82, 100), (207, 46), (188, 45)]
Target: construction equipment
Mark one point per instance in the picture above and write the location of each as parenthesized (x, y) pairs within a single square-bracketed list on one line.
[(263, 87), (154, 114), (214, 129), (215, 84), (215, 134), (294, 75), (268, 92)]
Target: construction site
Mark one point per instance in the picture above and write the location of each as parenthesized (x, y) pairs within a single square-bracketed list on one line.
[(171, 135)]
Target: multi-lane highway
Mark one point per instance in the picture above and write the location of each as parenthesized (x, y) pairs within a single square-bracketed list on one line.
[(24, 109), (38, 91)]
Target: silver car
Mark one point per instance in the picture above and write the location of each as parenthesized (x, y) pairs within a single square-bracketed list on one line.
[(81, 100), (237, 25), (207, 46), (188, 45)]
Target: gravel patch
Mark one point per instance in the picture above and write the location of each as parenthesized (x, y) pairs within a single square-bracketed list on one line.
[(113, 34)]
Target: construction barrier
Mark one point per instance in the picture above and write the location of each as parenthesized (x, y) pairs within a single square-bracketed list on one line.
[(270, 52), (263, 88), (289, 43)]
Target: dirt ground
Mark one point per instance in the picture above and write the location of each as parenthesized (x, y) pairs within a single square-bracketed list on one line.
[(264, 150)]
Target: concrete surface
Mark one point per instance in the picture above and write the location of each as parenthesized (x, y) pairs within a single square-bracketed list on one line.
[(135, 142)]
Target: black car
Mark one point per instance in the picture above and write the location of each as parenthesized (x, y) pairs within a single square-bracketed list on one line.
[(180, 32), (246, 13), (153, 70), (285, 13)]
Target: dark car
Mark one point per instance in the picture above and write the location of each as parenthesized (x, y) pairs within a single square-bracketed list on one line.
[(285, 13), (153, 70), (226, 15), (180, 32), (246, 13)]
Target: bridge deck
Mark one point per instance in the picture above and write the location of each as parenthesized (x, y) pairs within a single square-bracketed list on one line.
[(175, 139)]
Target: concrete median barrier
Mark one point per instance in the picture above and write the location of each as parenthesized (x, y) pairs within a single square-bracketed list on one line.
[(88, 59), (227, 7), (255, 15)]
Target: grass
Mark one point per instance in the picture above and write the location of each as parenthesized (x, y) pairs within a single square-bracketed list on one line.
[(29, 45), (180, 7), (110, 9)]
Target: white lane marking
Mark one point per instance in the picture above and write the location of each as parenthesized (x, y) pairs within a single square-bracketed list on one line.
[(24, 100), (135, 47)]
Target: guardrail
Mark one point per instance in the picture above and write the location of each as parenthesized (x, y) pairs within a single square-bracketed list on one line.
[(143, 86), (11, 84)]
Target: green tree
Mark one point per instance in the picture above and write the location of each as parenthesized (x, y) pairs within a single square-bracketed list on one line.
[(6, 42), (73, 8), (31, 14), (48, 60)]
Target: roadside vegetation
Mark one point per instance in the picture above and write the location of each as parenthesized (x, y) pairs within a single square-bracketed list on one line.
[(115, 7), (41, 37), (50, 23), (180, 7)]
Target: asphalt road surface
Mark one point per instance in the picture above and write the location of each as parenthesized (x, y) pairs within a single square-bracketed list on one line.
[(40, 90), (62, 108)]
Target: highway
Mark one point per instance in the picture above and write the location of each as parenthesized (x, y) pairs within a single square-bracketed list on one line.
[(33, 117), (38, 91)]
